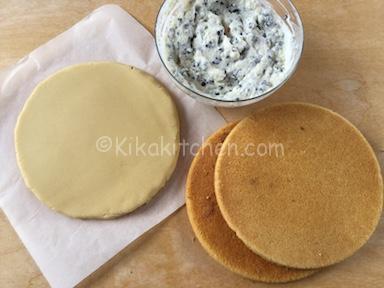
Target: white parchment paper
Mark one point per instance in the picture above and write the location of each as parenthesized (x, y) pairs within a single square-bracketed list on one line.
[(68, 250)]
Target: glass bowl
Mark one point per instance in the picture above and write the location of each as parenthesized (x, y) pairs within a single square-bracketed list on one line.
[(284, 8)]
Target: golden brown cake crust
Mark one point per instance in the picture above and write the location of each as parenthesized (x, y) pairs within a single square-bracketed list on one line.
[(212, 231), (312, 207)]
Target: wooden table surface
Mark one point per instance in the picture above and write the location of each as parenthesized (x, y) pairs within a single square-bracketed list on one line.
[(342, 68)]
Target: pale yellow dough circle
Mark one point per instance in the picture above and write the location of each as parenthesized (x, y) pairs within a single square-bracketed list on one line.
[(79, 140)]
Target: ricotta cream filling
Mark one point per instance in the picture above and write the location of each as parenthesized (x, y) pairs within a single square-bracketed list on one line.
[(229, 50)]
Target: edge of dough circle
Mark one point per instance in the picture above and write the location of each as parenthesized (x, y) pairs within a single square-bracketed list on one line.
[(90, 140)]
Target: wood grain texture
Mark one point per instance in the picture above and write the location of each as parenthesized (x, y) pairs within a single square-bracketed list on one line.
[(342, 68)]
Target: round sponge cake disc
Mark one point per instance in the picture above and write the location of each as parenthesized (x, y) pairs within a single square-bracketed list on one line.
[(212, 231), (76, 140), (299, 185)]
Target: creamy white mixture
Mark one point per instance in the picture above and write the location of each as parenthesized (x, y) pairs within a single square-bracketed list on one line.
[(228, 49)]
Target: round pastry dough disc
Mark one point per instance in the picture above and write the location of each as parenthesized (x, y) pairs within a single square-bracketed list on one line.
[(211, 229), (76, 140), (311, 206)]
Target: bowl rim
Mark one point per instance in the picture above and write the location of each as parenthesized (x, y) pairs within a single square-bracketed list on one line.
[(241, 102)]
